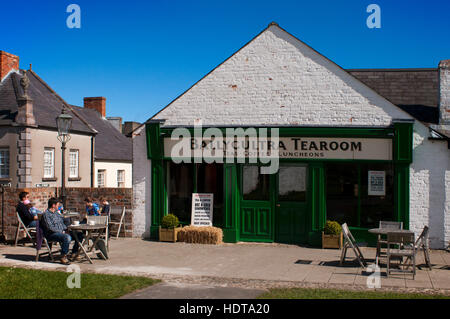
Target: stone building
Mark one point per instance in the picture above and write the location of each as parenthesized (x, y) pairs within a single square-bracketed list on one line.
[(355, 146)]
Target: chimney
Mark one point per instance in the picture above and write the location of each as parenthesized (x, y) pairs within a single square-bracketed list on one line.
[(444, 92), (96, 103), (8, 62)]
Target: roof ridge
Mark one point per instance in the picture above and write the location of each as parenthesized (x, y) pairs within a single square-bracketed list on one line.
[(63, 101)]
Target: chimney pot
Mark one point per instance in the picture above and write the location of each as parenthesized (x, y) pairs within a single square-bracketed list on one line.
[(8, 62), (96, 103)]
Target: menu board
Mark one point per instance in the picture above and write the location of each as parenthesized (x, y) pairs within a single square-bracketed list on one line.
[(376, 183), (202, 209)]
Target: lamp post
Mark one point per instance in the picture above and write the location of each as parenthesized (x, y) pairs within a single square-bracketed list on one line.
[(63, 122)]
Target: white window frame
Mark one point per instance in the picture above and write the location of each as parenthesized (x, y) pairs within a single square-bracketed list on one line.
[(121, 178), (4, 162), (74, 160), (49, 166), (101, 172)]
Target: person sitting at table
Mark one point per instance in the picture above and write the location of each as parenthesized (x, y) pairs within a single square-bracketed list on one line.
[(55, 230), (104, 210), (60, 207), (27, 218), (92, 208)]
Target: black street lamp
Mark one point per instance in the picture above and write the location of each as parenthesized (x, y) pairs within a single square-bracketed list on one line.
[(63, 122)]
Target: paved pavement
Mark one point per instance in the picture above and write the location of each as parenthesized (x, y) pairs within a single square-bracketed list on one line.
[(244, 265), (169, 290)]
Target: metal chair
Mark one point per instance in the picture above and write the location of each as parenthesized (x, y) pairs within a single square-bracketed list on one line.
[(118, 211), (49, 245), (386, 225), (400, 245), (350, 242), (28, 230)]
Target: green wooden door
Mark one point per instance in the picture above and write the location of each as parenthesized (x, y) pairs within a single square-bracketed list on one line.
[(291, 206), (256, 205)]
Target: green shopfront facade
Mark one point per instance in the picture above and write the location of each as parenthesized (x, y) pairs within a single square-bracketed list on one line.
[(291, 205)]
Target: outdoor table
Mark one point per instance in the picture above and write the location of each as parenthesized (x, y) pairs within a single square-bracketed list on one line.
[(90, 230), (383, 232)]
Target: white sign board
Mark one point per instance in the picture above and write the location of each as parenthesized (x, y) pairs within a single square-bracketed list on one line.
[(287, 147), (377, 183), (202, 209)]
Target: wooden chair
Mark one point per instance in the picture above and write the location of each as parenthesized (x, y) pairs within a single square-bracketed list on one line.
[(101, 220), (400, 245), (386, 225), (28, 230), (118, 211), (422, 243), (350, 242)]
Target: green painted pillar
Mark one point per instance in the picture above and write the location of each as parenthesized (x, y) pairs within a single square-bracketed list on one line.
[(403, 157), (230, 225), (155, 152), (317, 203)]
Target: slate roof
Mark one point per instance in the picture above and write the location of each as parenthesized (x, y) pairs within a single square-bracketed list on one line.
[(47, 104), (110, 144), (416, 91)]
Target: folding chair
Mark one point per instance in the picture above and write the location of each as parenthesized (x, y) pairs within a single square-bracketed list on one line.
[(100, 220), (28, 230), (39, 239), (405, 247), (349, 241), (422, 242), (118, 211)]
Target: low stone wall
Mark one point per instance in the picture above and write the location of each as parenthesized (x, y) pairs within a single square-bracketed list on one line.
[(75, 202)]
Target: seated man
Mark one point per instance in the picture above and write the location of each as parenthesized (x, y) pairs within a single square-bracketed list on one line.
[(104, 210), (27, 217), (56, 230)]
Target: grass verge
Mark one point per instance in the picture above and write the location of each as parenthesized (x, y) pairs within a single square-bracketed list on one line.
[(311, 293), (19, 283)]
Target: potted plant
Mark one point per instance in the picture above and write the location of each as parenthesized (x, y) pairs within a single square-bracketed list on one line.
[(332, 235), (169, 228)]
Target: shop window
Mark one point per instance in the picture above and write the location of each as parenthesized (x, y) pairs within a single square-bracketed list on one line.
[(210, 180), (342, 193), (377, 194), (255, 186), (292, 183), (180, 188)]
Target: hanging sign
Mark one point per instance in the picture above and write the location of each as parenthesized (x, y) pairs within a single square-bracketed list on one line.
[(202, 209), (377, 183)]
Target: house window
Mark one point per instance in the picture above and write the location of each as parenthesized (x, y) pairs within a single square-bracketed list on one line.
[(73, 159), (49, 162), (101, 178), (121, 178), (4, 162)]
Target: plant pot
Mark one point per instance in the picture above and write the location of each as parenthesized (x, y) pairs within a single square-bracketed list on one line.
[(331, 241), (168, 234)]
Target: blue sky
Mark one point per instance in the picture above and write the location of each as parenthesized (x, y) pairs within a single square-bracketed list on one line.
[(141, 55)]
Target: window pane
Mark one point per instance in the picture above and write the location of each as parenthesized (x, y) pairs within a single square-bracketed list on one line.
[(49, 163), (342, 193), (377, 206), (120, 178), (255, 185), (73, 162), (292, 183), (4, 162), (210, 180), (181, 187), (101, 178)]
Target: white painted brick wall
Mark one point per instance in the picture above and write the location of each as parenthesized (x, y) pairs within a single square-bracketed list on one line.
[(430, 187), (276, 79), (141, 185)]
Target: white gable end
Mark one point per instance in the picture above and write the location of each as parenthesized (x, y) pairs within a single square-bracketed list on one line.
[(278, 80)]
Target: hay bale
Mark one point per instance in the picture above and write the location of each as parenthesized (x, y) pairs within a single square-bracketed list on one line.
[(200, 235)]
